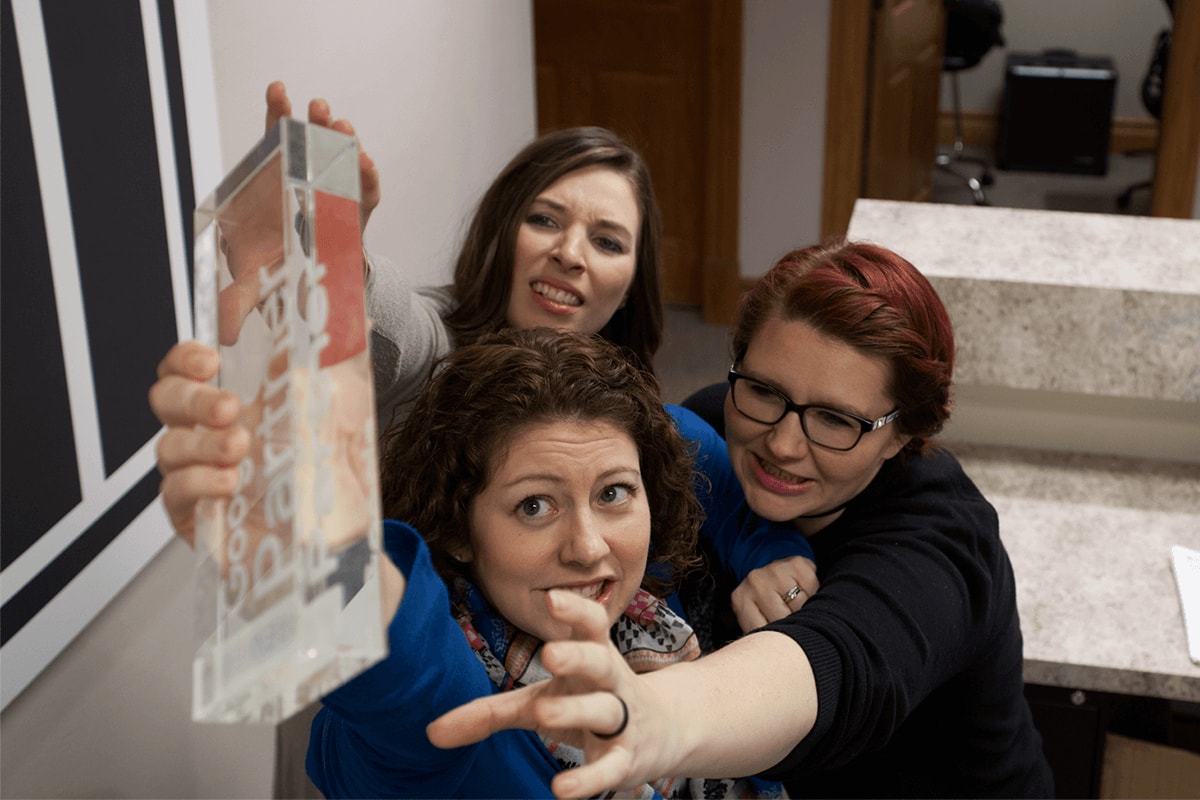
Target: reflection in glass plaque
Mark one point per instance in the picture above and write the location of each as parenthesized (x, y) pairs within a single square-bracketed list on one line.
[(288, 594)]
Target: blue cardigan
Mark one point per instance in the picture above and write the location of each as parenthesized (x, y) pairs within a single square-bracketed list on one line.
[(369, 738)]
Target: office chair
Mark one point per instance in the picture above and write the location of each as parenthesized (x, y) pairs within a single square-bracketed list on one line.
[(972, 29)]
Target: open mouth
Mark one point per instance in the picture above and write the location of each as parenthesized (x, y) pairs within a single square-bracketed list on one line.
[(777, 480), (555, 295), (597, 591)]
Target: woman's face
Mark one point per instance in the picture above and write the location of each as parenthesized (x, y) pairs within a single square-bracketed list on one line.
[(576, 252), (565, 508), (784, 475)]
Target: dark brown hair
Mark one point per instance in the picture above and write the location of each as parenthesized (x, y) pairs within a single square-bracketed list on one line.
[(483, 272), (875, 301), (441, 457)]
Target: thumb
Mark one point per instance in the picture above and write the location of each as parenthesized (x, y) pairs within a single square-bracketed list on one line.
[(234, 304)]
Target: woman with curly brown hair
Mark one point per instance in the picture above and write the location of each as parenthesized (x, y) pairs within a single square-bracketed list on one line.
[(534, 464)]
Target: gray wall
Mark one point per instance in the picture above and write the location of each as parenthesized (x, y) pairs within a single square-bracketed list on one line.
[(785, 55)]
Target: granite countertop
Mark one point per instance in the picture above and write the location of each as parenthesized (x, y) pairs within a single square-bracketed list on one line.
[(1090, 538), (1077, 335), (1062, 248), (1099, 305)]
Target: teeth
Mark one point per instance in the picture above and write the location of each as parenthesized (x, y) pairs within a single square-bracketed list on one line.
[(591, 592), (775, 471), (557, 295)]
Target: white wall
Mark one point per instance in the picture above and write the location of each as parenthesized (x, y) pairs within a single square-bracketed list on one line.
[(441, 94), (785, 57)]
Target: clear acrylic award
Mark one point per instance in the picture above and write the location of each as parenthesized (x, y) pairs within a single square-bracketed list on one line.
[(288, 594)]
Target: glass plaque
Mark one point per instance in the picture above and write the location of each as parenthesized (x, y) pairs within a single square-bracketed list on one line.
[(288, 594)]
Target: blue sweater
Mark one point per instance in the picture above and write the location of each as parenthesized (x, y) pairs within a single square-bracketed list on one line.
[(369, 738)]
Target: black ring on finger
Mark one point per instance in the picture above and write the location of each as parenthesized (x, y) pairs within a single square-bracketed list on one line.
[(624, 721)]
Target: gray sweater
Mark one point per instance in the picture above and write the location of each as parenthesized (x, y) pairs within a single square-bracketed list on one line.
[(408, 335)]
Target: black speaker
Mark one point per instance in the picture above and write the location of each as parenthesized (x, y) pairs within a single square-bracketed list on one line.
[(1056, 113)]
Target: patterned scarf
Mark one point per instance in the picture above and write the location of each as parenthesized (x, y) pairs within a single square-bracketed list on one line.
[(649, 635)]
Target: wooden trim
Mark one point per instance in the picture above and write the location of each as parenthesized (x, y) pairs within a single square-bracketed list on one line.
[(1179, 146), (845, 112), (1130, 134), (719, 271), (980, 129)]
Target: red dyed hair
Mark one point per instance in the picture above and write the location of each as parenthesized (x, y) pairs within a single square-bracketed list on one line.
[(875, 301)]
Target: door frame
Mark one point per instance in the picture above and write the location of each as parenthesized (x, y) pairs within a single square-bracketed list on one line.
[(1178, 154), (846, 91), (720, 271)]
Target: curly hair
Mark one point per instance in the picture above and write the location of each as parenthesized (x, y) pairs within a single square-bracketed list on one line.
[(439, 459), (875, 301), (483, 272)]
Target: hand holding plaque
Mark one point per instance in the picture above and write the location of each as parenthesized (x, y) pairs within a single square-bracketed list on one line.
[(289, 597)]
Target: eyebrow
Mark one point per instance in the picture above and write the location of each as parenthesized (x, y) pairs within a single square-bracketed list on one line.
[(554, 477), (610, 224)]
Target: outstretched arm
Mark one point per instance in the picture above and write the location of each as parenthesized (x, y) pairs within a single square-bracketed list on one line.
[(735, 712)]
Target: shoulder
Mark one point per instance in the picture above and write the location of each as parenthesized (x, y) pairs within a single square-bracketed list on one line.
[(441, 297), (928, 493), (936, 472), (691, 426), (404, 546)]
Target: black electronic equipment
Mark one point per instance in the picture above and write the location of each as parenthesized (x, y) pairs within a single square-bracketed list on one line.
[(1056, 113)]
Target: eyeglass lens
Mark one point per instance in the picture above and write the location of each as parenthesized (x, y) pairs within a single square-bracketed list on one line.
[(824, 426)]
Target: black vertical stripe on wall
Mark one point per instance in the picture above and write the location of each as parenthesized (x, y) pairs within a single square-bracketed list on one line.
[(106, 124), (37, 443)]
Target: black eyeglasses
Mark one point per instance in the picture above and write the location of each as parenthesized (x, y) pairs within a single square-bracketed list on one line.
[(826, 427)]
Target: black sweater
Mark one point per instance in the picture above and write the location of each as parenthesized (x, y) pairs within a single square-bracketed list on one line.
[(916, 648)]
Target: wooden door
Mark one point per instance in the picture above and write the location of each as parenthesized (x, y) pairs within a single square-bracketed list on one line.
[(885, 66), (906, 69), (666, 75)]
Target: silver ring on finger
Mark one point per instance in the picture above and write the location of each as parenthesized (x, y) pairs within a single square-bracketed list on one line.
[(793, 593)]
